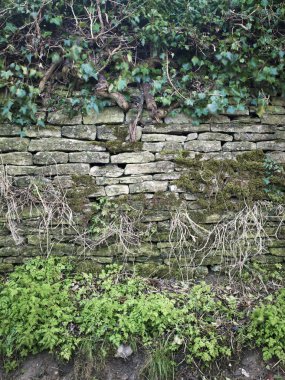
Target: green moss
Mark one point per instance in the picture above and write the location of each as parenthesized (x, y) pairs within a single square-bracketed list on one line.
[(225, 184), (77, 196), (119, 146)]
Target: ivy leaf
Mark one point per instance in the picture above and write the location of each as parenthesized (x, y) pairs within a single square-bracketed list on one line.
[(122, 84), (56, 20), (20, 93), (88, 71)]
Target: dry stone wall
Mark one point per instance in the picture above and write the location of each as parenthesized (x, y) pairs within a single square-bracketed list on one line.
[(90, 157)]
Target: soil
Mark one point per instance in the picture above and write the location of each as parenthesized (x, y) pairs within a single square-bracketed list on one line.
[(45, 367)]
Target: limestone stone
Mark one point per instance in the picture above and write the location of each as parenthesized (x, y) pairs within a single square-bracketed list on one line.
[(275, 110), (63, 145), (189, 197), (106, 171), (271, 145), (203, 146), (163, 155), (277, 101), (273, 119), (148, 187), (101, 181), (277, 156), (192, 136), (98, 192), (6, 267), (215, 136), (38, 132), (167, 176), (279, 135), (109, 115), (156, 137), (132, 158), (114, 190), (9, 130), (50, 158), (64, 169), (176, 129), (90, 157), (160, 146), (153, 167), (21, 170), (238, 146), (13, 144), (177, 117), (277, 251), (135, 179), (16, 158), (64, 181), (238, 128), (221, 119), (83, 132), (253, 136), (155, 216), (60, 118), (112, 132)]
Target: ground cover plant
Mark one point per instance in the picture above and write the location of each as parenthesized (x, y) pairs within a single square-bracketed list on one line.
[(46, 305)]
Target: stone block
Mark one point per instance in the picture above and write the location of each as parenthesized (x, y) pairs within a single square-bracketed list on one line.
[(9, 130), (280, 251), (275, 110), (60, 118), (13, 144), (102, 181), (14, 170), (6, 267), (16, 158), (112, 132), (64, 169), (98, 192), (135, 179), (192, 136), (219, 119), (277, 156), (177, 117), (238, 128), (109, 115), (239, 146), (253, 136), (176, 129), (278, 101), (159, 146), (203, 146), (279, 135), (215, 136), (38, 132), (50, 158), (148, 187), (167, 176), (153, 167), (271, 145), (106, 171), (157, 137), (63, 145), (10, 251), (273, 119), (83, 132), (90, 157), (132, 158), (114, 190), (146, 117)]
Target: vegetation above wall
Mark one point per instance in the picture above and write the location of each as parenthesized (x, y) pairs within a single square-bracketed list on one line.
[(203, 56)]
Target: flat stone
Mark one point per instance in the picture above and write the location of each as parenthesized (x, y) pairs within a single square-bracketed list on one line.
[(106, 171), (112, 132), (254, 136), (275, 110), (9, 130), (16, 158), (277, 251), (218, 156), (59, 118), (102, 181), (109, 115), (64, 169), (238, 146), (136, 179), (64, 182), (145, 118), (114, 190), (167, 176), (163, 155), (98, 192), (221, 119), (159, 146), (83, 132), (271, 145), (90, 157), (203, 146), (176, 129), (277, 156), (20, 170), (47, 131), (177, 117), (279, 135), (192, 136), (157, 137), (277, 101), (50, 158), (273, 119), (132, 158), (251, 128), (63, 145), (148, 187), (215, 136), (13, 144), (153, 167)]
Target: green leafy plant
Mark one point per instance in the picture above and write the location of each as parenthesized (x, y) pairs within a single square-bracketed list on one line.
[(273, 170)]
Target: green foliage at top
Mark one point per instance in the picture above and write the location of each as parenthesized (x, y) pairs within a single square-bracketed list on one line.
[(206, 56)]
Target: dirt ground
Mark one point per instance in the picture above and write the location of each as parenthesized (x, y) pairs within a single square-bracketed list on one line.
[(45, 367)]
